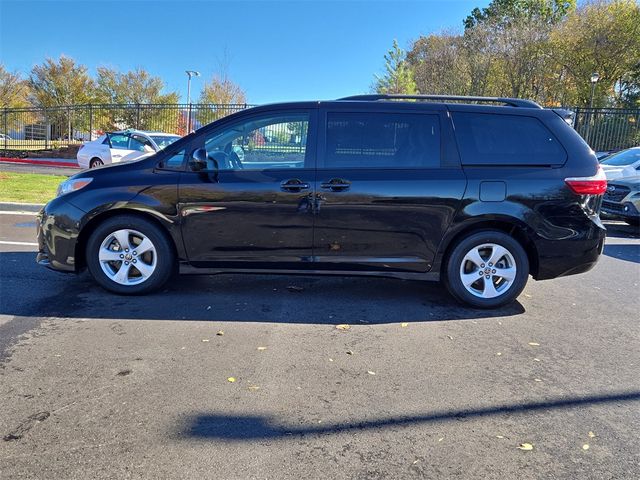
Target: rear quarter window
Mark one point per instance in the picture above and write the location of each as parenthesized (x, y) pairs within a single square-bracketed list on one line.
[(498, 139)]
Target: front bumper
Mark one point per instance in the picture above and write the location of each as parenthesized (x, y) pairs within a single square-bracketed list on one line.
[(58, 227), (620, 210)]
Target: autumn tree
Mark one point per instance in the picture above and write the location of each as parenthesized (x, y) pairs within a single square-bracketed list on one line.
[(136, 86), (13, 89), (219, 90), (602, 37), (398, 76), (62, 82)]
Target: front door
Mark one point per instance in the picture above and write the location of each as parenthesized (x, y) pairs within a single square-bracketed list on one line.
[(387, 187), (252, 206)]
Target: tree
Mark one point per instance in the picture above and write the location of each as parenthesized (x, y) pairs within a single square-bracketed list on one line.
[(506, 12), (12, 89), (62, 82), (220, 90), (398, 76), (136, 86), (602, 37)]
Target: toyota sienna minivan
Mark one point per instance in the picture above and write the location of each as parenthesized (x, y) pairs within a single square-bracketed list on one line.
[(477, 192)]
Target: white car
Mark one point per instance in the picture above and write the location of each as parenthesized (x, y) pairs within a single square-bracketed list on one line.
[(123, 146), (625, 163)]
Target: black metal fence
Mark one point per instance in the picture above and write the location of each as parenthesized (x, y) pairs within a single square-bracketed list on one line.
[(47, 128), (608, 128)]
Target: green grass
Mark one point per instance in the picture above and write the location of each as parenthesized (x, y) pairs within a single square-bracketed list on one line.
[(28, 187)]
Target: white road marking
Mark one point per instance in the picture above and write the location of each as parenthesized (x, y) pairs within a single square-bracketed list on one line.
[(28, 244), (10, 212)]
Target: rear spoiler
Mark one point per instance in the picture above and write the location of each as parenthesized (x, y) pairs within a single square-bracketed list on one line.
[(567, 115)]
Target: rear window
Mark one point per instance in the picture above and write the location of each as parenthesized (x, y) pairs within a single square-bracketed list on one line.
[(492, 139), (382, 140)]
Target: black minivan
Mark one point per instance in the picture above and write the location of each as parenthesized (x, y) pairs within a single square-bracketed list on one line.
[(479, 192)]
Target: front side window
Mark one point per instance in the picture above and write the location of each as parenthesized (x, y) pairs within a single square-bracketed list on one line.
[(382, 140), (500, 139), (140, 144), (265, 142)]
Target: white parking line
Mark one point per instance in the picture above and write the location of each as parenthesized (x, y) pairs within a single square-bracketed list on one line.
[(11, 212), (27, 244)]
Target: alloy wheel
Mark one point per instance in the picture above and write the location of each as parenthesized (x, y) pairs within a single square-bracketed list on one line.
[(488, 270), (127, 257)]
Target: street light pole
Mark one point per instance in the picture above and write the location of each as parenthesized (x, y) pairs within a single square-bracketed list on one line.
[(190, 73), (594, 79)]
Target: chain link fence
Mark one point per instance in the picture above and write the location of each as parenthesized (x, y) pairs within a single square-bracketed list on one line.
[(33, 129)]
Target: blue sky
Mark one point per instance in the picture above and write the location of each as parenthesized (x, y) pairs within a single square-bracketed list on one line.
[(275, 50)]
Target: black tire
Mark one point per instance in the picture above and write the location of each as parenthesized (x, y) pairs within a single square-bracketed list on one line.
[(165, 259), (95, 163), (452, 270)]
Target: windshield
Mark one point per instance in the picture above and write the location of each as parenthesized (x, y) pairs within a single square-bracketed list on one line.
[(164, 141), (621, 159)]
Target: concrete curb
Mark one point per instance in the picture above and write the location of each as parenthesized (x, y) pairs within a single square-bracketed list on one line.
[(49, 162), (20, 207)]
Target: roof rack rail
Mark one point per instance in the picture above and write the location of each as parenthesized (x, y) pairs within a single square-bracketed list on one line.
[(512, 102)]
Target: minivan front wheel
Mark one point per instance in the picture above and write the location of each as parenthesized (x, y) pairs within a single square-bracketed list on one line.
[(487, 269), (129, 255)]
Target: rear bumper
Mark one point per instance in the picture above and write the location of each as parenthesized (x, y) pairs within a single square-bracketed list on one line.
[(58, 226), (558, 258)]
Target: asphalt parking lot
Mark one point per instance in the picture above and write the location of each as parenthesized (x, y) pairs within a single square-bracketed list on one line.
[(101, 386)]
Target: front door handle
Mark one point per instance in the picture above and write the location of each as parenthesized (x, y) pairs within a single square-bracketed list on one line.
[(336, 185), (294, 185)]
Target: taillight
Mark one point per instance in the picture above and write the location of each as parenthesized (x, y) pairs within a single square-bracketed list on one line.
[(595, 185)]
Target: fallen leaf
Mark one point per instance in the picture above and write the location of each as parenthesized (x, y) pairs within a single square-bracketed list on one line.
[(449, 337), (415, 461), (534, 344), (253, 387), (499, 436), (591, 435), (585, 446), (220, 333), (231, 379), (205, 339), (536, 359), (526, 446), (343, 327), (349, 352), (370, 372), (295, 288), (440, 439), (404, 324), (537, 380)]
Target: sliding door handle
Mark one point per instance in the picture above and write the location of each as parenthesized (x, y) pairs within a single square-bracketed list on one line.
[(294, 185), (336, 185)]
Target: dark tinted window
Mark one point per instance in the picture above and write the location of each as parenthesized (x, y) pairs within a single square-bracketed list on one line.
[(494, 139), (382, 140)]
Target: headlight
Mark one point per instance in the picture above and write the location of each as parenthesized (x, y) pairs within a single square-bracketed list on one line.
[(72, 185)]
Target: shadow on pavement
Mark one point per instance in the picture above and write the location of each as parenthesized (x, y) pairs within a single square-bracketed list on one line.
[(251, 427), (35, 291)]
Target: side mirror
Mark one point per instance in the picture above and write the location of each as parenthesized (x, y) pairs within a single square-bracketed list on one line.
[(198, 160)]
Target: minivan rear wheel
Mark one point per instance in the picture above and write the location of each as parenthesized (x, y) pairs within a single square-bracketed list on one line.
[(129, 255), (487, 269)]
